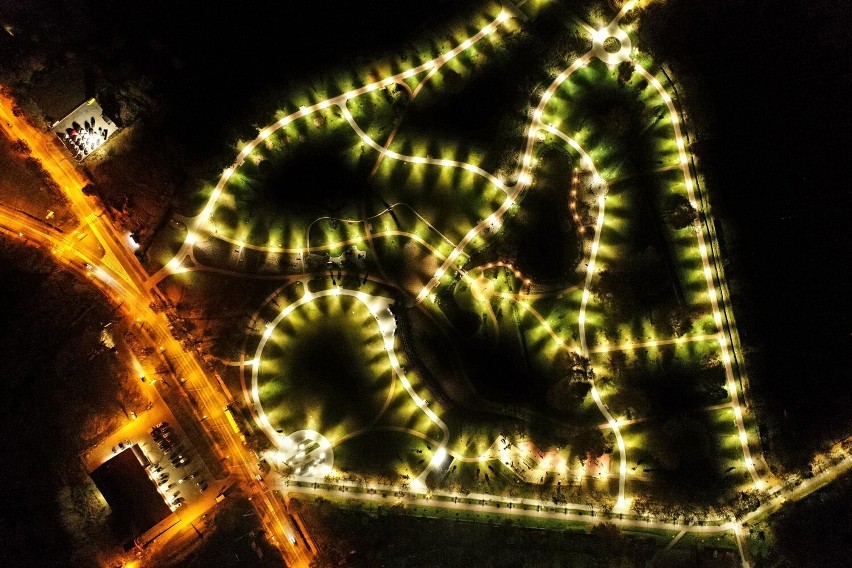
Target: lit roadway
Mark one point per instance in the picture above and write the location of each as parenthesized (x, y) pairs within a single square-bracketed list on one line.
[(119, 274), (47, 150)]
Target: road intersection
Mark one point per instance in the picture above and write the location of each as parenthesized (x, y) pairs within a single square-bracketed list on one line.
[(119, 275)]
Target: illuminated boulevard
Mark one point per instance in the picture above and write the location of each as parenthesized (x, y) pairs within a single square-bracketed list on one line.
[(118, 273)]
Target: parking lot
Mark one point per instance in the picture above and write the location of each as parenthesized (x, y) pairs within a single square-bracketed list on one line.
[(85, 129), (175, 468), (180, 480)]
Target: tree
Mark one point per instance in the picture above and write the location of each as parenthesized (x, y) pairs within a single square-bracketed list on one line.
[(641, 505), (615, 363), (566, 395), (612, 289), (625, 71), (678, 212), (572, 383), (744, 503), (575, 367), (590, 442)]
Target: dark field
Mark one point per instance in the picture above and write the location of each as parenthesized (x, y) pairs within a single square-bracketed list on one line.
[(487, 107), (542, 230), (327, 368), (315, 178)]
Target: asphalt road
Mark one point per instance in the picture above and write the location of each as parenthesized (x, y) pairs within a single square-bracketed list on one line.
[(122, 278)]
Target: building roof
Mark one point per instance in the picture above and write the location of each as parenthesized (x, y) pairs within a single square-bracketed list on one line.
[(132, 495)]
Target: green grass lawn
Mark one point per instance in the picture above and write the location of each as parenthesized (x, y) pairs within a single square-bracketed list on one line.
[(325, 368), (383, 454)]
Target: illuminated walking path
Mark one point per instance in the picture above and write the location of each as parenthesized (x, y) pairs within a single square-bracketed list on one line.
[(379, 307), (117, 278), (708, 270), (203, 218)]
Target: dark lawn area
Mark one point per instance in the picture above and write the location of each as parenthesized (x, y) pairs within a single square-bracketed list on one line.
[(683, 442), (486, 107), (379, 453), (683, 455), (502, 373), (768, 90), (643, 281), (506, 381), (542, 230), (665, 385), (313, 178), (391, 539), (326, 368)]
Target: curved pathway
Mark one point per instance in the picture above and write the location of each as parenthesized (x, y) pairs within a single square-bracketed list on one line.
[(379, 307)]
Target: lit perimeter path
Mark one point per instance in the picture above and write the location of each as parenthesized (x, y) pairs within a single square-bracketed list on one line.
[(624, 54), (379, 307), (707, 265), (494, 504)]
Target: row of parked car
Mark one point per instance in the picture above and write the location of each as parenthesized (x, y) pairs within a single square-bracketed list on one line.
[(82, 140), (166, 439)]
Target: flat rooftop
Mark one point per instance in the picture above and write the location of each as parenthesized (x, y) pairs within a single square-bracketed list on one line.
[(132, 495)]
